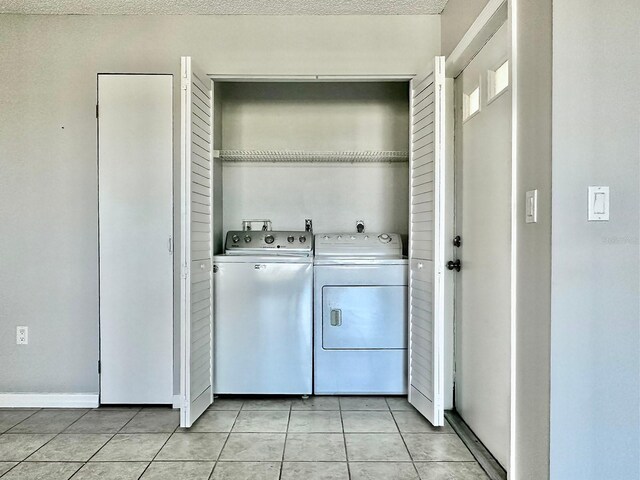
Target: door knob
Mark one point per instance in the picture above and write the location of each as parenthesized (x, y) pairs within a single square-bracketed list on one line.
[(454, 265)]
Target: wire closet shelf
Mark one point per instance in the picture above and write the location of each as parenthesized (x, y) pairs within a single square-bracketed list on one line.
[(296, 156)]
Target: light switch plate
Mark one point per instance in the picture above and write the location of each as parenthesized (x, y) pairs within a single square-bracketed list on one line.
[(598, 209), (531, 207)]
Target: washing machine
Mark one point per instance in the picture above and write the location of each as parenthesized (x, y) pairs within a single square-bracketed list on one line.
[(360, 314), (263, 313)]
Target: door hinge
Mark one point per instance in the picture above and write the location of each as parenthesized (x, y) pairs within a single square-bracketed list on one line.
[(99, 367), (185, 271), (97, 110)]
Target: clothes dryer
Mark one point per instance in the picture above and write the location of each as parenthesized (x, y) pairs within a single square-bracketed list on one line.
[(360, 314)]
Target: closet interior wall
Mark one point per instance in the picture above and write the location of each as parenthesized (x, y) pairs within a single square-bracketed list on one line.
[(312, 118)]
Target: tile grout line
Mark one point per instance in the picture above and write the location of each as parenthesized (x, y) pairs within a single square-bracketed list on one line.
[(113, 434), (45, 443), (130, 420), (226, 440), (413, 463), (159, 450), (17, 463), (37, 410), (96, 452), (404, 442), (344, 438), (284, 447)]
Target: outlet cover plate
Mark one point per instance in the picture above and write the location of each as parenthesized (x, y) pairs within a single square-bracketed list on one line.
[(22, 335)]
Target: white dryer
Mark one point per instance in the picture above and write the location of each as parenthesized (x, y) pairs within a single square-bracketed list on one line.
[(360, 314)]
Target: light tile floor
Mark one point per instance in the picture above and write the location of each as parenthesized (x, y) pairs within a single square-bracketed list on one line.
[(358, 438)]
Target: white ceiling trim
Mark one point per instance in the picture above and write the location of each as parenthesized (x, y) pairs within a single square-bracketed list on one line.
[(223, 7)]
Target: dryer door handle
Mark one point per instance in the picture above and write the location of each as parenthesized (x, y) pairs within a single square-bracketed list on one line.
[(336, 317)]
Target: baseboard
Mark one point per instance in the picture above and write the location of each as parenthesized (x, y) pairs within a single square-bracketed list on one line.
[(49, 400)]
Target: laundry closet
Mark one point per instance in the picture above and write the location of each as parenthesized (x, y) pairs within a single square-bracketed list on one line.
[(347, 163)]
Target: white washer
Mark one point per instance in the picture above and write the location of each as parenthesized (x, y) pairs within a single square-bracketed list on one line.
[(360, 314), (263, 314)]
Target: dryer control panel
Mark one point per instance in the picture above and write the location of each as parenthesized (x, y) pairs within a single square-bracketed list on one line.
[(388, 245)]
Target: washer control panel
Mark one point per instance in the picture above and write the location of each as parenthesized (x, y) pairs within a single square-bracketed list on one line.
[(267, 242), (359, 245)]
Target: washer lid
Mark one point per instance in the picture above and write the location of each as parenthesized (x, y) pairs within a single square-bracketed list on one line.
[(358, 245)]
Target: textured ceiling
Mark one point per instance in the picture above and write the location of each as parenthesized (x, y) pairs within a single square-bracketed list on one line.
[(224, 7)]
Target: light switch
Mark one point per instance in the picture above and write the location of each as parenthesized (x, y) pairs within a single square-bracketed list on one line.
[(598, 199), (531, 206), (599, 203)]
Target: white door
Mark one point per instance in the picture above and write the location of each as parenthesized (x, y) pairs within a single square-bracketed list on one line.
[(135, 153), (427, 228), (483, 221), (196, 294)]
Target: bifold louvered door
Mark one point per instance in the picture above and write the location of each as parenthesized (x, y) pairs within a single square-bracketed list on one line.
[(426, 244), (196, 307)]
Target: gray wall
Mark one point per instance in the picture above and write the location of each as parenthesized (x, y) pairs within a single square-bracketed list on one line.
[(48, 188), (595, 335), (457, 17), (532, 62)]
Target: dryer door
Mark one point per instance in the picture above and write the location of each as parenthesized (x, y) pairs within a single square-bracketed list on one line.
[(364, 317)]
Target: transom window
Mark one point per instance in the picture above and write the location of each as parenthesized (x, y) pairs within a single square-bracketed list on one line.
[(498, 80), (471, 104)]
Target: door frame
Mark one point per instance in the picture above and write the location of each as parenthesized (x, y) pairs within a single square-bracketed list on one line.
[(448, 166)]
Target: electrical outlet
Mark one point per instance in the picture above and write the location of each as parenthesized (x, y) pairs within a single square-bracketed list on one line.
[(22, 335)]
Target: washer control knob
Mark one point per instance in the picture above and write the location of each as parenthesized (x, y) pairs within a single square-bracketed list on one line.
[(326, 237), (247, 238), (352, 237), (339, 237), (235, 239), (290, 239), (384, 237), (302, 239), (269, 239)]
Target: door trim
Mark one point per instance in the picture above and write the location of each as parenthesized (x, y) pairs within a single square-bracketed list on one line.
[(481, 30)]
